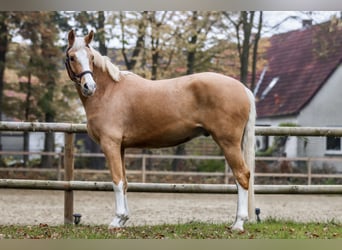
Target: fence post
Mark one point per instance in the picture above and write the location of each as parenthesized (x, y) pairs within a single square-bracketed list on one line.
[(68, 176), (143, 170), (226, 172), (60, 164), (309, 171)]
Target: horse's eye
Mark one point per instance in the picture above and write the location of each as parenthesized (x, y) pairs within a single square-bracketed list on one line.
[(72, 58)]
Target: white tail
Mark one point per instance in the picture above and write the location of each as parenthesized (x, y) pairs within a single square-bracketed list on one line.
[(248, 147)]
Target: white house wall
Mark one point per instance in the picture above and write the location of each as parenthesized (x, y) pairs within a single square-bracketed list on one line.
[(291, 144), (37, 143), (323, 110)]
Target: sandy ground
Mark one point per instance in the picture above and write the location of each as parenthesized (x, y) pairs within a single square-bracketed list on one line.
[(36, 206)]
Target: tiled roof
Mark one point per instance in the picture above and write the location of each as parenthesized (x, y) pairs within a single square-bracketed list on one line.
[(302, 60)]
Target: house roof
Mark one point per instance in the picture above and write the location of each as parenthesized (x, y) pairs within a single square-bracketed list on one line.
[(299, 64)]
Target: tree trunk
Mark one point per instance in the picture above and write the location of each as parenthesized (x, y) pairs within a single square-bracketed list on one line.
[(3, 50), (49, 140), (247, 26), (130, 63), (49, 144), (255, 51), (101, 33), (178, 164), (27, 113), (155, 57), (190, 62)]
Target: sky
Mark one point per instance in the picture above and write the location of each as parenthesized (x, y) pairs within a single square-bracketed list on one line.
[(272, 18)]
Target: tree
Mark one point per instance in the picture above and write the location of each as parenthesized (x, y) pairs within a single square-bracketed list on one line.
[(4, 37), (155, 40), (96, 20), (246, 41), (201, 24), (139, 32), (40, 28), (255, 50)]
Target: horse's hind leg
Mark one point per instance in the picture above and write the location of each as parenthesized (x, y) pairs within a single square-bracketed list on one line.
[(242, 208), (233, 155)]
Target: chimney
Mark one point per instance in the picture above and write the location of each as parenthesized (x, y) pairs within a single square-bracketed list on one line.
[(306, 23), (276, 99)]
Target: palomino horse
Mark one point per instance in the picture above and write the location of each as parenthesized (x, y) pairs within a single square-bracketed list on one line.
[(125, 110)]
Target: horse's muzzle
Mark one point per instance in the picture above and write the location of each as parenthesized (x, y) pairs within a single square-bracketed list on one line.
[(88, 89)]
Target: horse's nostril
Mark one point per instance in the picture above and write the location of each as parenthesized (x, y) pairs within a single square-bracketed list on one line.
[(86, 86)]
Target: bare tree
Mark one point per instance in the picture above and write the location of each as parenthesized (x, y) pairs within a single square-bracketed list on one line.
[(4, 40), (139, 43), (246, 41)]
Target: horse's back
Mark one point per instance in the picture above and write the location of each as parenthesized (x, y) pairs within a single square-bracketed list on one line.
[(218, 94), (200, 95)]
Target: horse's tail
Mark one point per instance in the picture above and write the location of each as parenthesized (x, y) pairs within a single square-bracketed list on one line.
[(248, 147)]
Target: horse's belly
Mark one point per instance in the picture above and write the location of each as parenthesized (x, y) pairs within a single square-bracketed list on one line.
[(167, 138)]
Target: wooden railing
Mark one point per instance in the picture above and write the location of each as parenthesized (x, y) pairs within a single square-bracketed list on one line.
[(143, 172), (68, 185)]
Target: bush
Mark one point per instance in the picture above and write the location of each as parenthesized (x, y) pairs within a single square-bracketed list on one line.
[(211, 166)]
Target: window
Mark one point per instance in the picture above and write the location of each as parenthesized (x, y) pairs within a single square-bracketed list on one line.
[(269, 87), (333, 144), (262, 143)]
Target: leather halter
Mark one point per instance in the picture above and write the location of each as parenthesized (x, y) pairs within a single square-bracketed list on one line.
[(76, 78)]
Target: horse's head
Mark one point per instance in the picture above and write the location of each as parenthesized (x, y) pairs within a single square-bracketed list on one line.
[(79, 62)]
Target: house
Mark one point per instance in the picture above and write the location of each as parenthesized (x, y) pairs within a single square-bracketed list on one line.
[(302, 85)]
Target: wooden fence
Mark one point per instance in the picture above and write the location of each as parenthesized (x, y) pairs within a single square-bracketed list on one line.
[(68, 185), (143, 173)]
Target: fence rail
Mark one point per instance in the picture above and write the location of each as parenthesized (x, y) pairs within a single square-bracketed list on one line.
[(82, 128), (168, 188), (69, 184), (144, 172)]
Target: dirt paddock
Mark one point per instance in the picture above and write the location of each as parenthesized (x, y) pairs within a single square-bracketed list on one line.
[(30, 207)]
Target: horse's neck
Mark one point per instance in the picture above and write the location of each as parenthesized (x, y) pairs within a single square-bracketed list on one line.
[(102, 79), (82, 97)]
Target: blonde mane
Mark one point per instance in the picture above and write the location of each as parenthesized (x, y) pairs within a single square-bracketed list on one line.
[(105, 64)]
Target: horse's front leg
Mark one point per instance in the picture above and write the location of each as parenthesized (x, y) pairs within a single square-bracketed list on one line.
[(114, 156)]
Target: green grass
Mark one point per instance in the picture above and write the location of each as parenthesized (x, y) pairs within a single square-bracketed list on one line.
[(269, 229)]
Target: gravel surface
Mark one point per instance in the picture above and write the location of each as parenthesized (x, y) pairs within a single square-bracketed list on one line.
[(30, 207)]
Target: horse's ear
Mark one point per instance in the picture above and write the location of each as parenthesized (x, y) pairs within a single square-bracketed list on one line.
[(71, 38), (89, 37)]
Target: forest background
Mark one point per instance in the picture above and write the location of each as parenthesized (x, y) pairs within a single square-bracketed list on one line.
[(155, 44)]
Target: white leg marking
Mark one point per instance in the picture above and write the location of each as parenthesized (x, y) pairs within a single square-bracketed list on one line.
[(242, 208), (121, 209)]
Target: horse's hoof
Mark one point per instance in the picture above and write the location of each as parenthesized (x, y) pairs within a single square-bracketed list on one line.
[(118, 221), (237, 226)]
